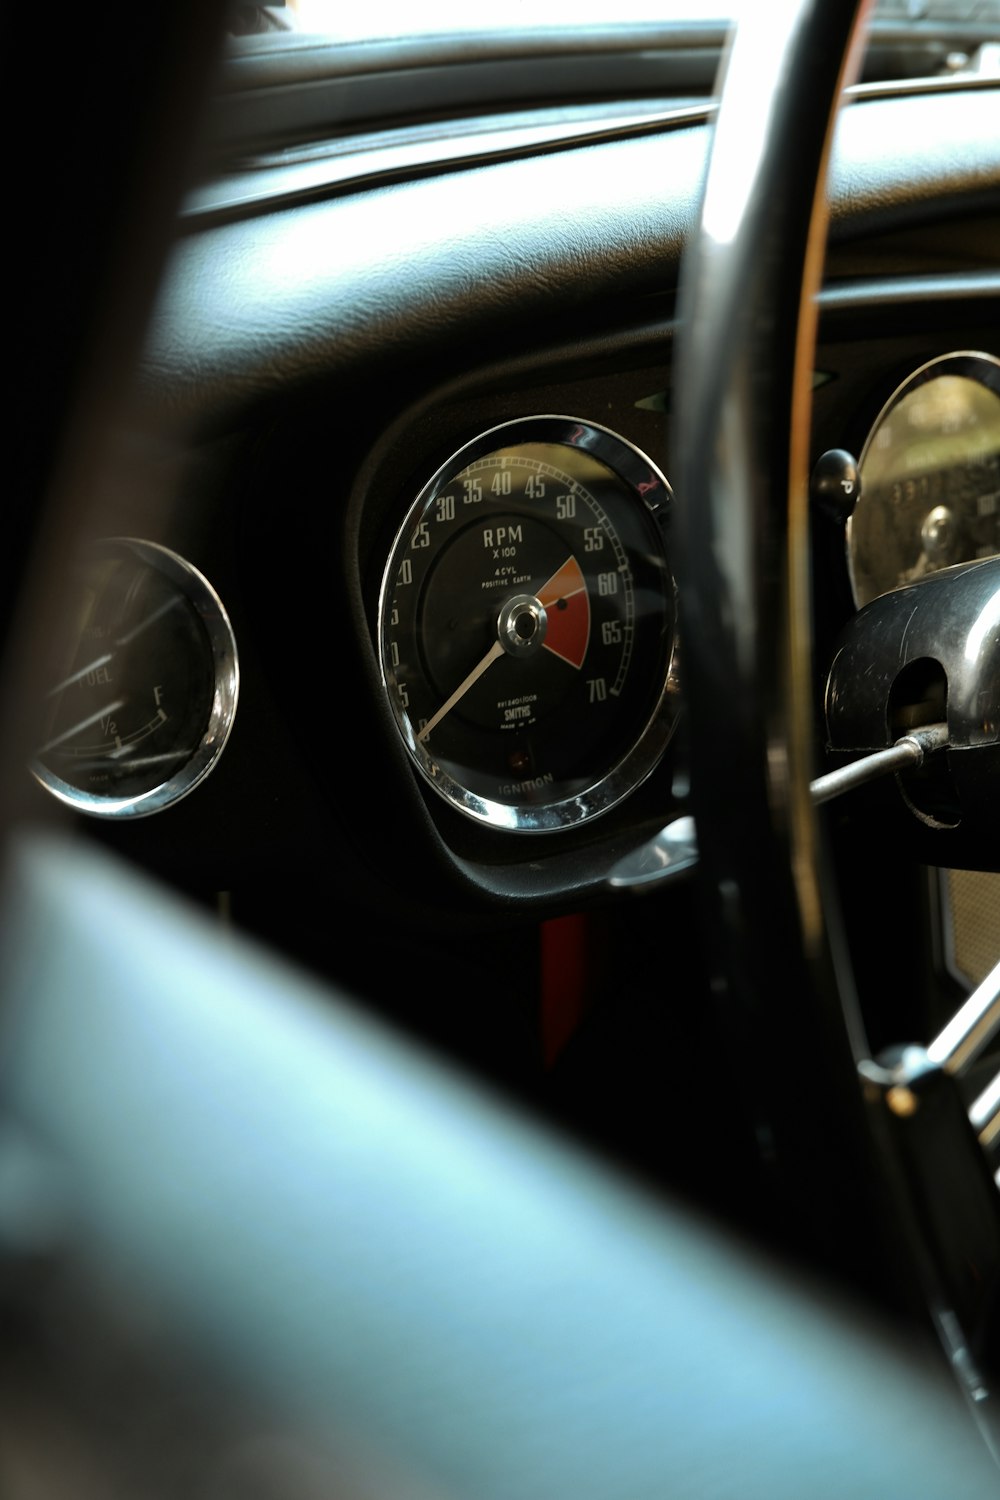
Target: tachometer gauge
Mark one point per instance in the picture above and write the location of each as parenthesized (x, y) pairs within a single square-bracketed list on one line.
[(144, 691), (930, 476), (526, 624)]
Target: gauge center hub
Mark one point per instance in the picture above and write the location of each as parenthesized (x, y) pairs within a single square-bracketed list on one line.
[(938, 533), (522, 625)]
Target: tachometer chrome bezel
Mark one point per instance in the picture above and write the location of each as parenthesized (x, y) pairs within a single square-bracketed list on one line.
[(534, 813)]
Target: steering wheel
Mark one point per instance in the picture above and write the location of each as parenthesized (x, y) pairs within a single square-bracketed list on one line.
[(748, 338)]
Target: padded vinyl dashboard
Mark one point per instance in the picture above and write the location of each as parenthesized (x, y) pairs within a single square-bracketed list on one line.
[(358, 284), (309, 368)]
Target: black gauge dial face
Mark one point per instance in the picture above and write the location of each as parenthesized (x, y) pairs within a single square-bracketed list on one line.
[(144, 689), (526, 625), (930, 477)]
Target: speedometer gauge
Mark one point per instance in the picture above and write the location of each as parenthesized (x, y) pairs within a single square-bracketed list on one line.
[(930, 476), (526, 624)]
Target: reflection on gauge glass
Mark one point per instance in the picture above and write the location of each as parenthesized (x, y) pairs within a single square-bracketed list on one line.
[(526, 624), (930, 477), (144, 685)]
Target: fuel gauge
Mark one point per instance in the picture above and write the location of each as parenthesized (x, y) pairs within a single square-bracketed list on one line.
[(145, 684)]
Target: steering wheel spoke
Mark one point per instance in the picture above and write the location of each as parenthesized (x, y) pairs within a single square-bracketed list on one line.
[(940, 1133)]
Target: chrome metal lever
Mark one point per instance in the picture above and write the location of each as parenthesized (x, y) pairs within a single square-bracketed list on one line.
[(906, 753), (673, 853)]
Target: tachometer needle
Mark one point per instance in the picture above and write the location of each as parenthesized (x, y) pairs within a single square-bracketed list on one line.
[(492, 655), (566, 580)]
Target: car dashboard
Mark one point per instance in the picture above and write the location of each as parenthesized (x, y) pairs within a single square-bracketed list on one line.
[(311, 368)]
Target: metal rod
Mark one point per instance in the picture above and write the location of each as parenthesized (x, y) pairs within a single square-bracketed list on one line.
[(985, 1114), (971, 1029), (674, 851), (908, 751)]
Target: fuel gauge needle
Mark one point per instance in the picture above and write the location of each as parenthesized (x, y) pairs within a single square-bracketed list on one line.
[(495, 651)]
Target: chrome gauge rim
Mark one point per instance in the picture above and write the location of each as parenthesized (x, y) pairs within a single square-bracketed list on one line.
[(527, 625), (143, 697), (930, 476)]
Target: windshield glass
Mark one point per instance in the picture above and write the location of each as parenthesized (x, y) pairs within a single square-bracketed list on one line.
[(396, 18), (909, 38)]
